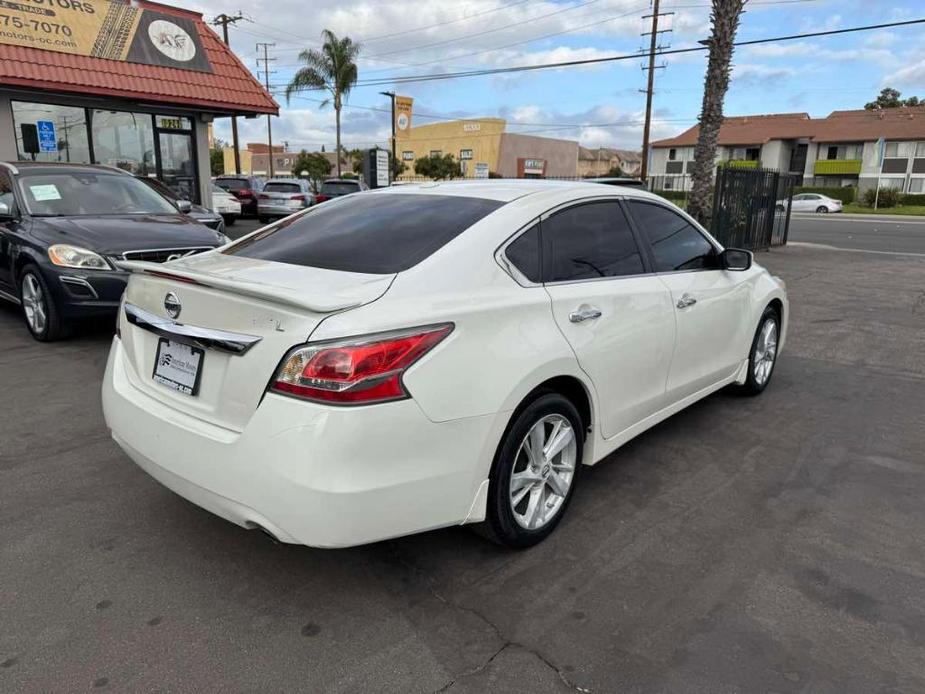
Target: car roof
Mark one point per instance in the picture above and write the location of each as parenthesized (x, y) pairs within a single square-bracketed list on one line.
[(58, 167), (506, 190), (342, 180)]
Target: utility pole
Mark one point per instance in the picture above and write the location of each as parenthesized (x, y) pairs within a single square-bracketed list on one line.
[(653, 47), (224, 20), (394, 163), (266, 82)]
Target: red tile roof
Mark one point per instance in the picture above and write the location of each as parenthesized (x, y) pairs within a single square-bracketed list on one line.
[(229, 88), (905, 123)]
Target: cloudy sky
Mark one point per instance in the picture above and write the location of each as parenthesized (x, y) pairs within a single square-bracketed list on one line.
[(598, 105)]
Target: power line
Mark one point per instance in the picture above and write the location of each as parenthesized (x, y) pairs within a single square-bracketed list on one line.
[(442, 24), (399, 79)]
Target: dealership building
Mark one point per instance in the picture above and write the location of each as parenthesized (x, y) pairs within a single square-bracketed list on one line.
[(481, 145), (130, 85)]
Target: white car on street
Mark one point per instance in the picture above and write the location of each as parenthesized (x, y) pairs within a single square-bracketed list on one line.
[(425, 356), (812, 202)]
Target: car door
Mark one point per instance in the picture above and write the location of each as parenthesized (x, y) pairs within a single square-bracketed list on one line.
[(710, 304), (7, 235), (616, 315)]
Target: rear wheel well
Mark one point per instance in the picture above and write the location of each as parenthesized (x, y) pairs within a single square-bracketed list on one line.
[(568, 386)]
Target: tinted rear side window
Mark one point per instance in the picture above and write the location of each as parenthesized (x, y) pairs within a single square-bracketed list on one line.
[(677, 245), (524, 254), (377, 234), (587, 241)]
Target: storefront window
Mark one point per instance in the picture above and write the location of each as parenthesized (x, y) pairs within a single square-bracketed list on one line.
[(64, 140), (124, 140)]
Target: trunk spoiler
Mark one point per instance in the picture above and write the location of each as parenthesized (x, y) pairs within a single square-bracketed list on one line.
[(277, 294)]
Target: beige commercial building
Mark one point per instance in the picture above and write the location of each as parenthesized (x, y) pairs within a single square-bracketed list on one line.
[(481, 146)]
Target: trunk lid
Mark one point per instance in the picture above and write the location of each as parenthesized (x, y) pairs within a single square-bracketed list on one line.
[(278, 303)]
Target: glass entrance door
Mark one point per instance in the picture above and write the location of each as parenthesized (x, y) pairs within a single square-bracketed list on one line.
[(178, 163)]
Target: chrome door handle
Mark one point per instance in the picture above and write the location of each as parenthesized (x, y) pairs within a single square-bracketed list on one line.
[(685, 301), (583, 314)]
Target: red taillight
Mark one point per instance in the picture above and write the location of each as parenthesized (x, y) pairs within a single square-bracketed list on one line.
[(322, 198), (264, 196), (245, 193), (357, 371), (296, 197)]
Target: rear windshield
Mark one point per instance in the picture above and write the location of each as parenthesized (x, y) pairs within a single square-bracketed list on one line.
[(376, 234), (282, 188), (232, 183), (339, 188)]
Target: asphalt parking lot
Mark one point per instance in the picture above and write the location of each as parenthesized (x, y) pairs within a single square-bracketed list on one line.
[(769, 544)]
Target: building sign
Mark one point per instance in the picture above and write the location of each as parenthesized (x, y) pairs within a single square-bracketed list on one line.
[(471, 127), (403, 115), (531, 167), (103, 29), (48, 138), (481, 169), (382, 168)]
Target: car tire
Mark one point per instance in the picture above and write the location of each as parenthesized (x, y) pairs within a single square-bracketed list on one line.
[(780, 208), (822, 209), (762, 358), (41, 313), (539, 500)]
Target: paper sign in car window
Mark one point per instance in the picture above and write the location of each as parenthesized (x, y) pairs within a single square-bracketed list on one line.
[(45, 192)]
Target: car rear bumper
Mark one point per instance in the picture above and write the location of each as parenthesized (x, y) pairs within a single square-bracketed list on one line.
[(277, 210), (309, 474)]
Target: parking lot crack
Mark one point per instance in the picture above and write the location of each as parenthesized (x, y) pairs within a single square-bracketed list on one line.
[(505, 641)]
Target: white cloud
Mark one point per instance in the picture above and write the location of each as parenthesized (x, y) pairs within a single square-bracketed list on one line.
[(911, 76)]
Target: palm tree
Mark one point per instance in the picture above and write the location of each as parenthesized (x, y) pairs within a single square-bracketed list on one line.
[(725, 20), (334, 69)]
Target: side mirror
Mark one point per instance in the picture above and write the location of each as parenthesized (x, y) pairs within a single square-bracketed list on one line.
[(736, 259), (6, 214), (185, 206)]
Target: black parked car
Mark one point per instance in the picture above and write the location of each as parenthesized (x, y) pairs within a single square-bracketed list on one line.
[(201, 214), (63, 228), (244, 188)]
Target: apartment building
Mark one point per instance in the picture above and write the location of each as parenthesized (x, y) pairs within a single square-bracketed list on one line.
[(599, 161), (846, 148)]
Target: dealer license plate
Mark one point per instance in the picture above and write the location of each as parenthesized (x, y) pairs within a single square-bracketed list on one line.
[(178, 366)]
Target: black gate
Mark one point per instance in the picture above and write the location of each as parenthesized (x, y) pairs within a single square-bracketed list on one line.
[(751, 207)]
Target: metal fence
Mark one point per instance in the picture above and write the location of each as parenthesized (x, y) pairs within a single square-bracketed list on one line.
[(751, 207)]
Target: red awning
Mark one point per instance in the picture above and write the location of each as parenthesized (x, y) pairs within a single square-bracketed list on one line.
[(229, 89)]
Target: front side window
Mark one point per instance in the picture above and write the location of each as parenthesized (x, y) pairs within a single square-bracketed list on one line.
[(676, 243), (375, 234), (72, 193), (63, 133), (589, 241), (6, 191)]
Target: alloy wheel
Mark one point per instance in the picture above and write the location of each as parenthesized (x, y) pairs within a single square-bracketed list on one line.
[(543, 471), (765, 352), (33, 302)]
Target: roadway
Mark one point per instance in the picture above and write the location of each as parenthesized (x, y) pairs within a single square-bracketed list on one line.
[(890, 234)]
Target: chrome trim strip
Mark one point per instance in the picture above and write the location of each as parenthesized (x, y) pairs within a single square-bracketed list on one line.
[(9, 297), (207, 338), (201, 249), (79, 281)]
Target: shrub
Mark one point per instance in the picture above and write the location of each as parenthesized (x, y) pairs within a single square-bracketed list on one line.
[(889, 197), (671, 194), (847, 195), (913, 199)]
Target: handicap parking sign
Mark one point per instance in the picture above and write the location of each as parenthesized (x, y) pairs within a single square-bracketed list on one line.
[(48, 138)]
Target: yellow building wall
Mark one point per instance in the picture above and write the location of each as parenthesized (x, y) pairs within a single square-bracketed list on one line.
[(482, 136), (246, 161)]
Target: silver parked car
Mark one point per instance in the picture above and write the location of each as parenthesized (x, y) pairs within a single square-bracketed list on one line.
[(282, 197)]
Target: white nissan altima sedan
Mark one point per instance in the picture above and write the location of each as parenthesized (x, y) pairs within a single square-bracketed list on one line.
[(431, 355)]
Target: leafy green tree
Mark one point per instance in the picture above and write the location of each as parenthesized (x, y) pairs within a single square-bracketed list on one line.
[(332, 69), (217, 157), (317, 166), (437, 168), (892, 98)]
